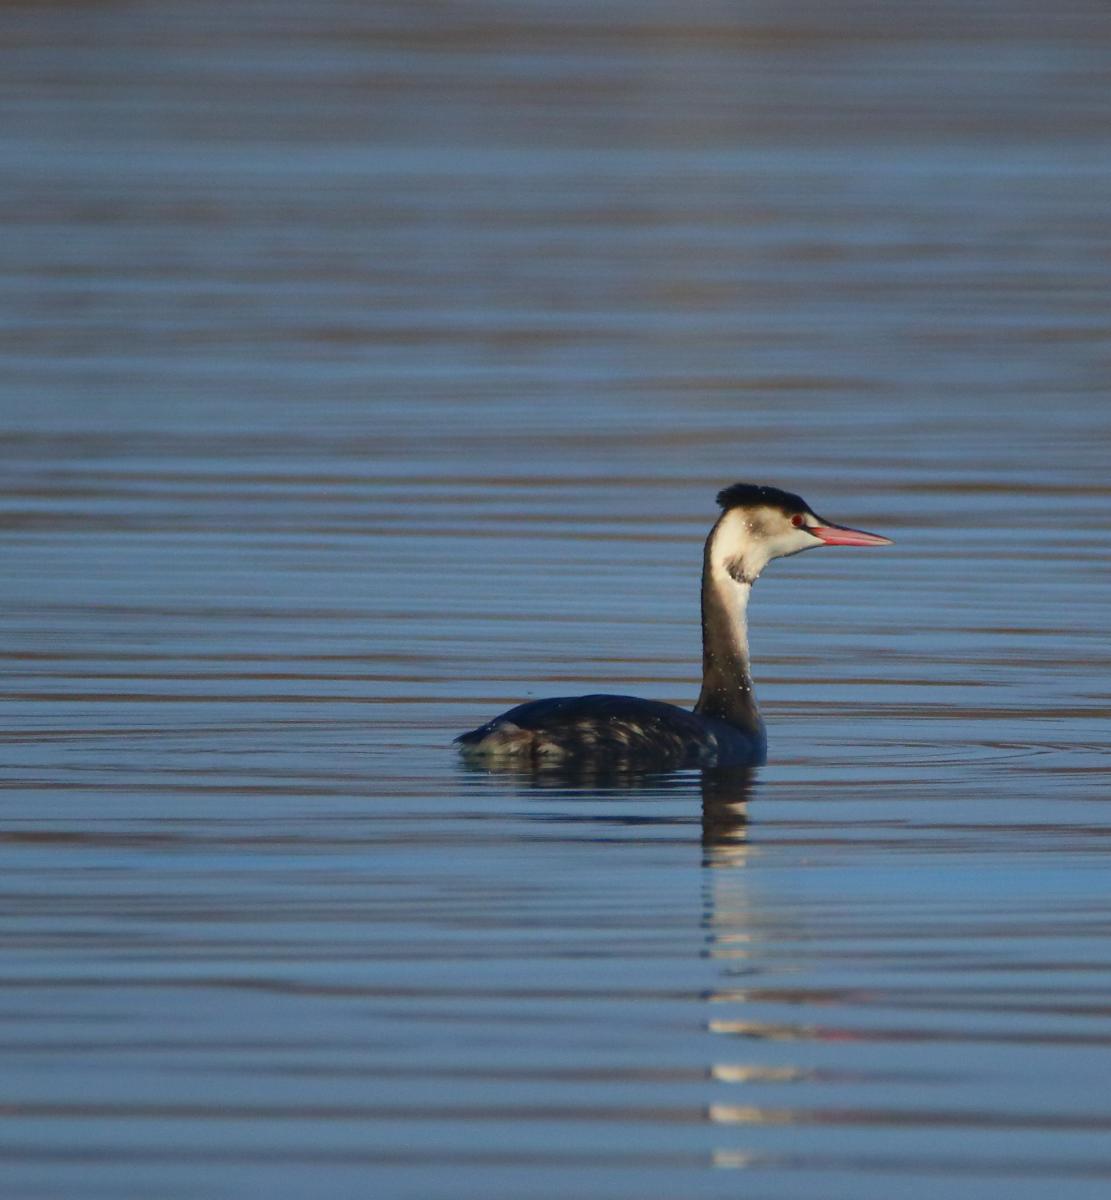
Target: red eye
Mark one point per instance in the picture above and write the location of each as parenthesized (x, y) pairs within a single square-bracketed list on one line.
[(798, 520)]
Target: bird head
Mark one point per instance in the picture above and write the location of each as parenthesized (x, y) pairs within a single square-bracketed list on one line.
[(759, 523)]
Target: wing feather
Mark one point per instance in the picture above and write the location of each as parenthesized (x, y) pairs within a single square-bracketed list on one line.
[(600, 727)]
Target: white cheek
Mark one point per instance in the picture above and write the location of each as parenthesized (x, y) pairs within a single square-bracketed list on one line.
[(793, 543)]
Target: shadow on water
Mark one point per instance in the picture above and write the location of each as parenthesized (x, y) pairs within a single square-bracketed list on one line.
[(725, 793)]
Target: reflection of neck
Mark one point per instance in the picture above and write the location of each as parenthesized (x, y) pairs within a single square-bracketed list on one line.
[(727, 691), (725, 795)]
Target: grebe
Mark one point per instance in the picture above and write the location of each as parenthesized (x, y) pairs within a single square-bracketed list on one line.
[(756, 525)]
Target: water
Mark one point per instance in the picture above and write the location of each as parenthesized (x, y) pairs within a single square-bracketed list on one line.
[(367, 369)]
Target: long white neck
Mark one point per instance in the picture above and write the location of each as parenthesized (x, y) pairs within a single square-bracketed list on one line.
[(727, 691)]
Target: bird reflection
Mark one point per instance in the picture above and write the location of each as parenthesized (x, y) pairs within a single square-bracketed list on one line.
[(731, 930), (725, 796), (725, 793)]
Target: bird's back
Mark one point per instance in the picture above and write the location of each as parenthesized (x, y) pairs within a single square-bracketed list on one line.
[(618, 731)]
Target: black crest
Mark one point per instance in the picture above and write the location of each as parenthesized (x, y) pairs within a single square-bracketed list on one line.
[(752, 495)]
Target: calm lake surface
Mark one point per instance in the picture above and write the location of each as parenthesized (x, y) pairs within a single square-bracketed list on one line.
[(368, 368)]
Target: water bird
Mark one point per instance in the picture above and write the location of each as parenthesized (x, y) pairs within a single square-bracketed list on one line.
[(725, 729)]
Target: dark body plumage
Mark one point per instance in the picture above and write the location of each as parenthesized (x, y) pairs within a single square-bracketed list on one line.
[(617, 730)]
